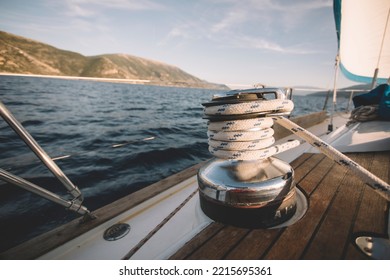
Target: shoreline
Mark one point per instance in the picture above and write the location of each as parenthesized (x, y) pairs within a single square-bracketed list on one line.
[(117, 80), (77, 78)]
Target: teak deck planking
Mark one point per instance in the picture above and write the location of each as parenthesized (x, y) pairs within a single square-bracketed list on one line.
[(341, 207)]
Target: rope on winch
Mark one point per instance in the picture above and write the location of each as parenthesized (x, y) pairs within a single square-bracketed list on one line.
[(246, 139), (243, 137), (252, 139)]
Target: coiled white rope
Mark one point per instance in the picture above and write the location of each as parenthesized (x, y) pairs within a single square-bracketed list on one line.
[(246, 139), (263, 106), (252, 139)]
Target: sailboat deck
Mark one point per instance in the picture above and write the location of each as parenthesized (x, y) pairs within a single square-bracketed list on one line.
[(341, 207)]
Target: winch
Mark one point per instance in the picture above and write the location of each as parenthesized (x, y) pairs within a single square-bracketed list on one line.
[(244, 185)]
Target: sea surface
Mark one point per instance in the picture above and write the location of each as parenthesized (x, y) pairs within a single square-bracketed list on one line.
[(117, 138)]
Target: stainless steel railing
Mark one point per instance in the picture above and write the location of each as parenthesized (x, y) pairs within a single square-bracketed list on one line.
[(75, 204)]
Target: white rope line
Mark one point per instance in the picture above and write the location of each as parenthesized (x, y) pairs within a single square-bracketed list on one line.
[(241, 124), (241, 135), (280, 105), (242, 145), (246, 139), (370, 179), (253, 154)]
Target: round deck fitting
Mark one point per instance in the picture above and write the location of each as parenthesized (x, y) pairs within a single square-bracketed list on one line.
[(250, 194), (377, 248), (116, 232)]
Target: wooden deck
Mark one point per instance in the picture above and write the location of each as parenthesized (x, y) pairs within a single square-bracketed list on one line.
[(341, 207), (43, 243)]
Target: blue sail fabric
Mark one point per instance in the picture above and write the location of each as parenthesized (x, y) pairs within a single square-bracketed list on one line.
[(378, 96), (363, 37)]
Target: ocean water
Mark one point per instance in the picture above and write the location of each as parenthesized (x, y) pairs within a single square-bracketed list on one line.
[(118, 138)]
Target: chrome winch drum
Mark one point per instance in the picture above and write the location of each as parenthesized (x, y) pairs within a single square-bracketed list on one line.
[(229, 196), (247, 193)]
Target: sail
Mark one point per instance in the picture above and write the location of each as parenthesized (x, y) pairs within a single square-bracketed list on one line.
[(363, 33)]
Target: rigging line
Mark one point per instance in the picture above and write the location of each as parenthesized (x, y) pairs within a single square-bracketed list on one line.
[(377, 184), (334, 103)]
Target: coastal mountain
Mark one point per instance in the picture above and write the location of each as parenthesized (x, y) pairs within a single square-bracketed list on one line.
[(346, 91), (21, 55)]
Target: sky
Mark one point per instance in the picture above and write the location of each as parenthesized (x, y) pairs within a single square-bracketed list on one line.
[(235, 42)]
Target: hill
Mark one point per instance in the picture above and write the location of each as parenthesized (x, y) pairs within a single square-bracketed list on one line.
[(21, 55)]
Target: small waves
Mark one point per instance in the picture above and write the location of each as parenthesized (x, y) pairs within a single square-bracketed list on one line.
[(114, 143), (165, 156), (32, 123)]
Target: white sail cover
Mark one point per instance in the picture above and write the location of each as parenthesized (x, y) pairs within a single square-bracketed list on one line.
[(363, 30)]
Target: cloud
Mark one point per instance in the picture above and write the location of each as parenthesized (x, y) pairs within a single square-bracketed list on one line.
[(244, 42), (266, 12), (248, 24), (180, 34), (76, 10), (181, 31), (88, 8), (231, 18)]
